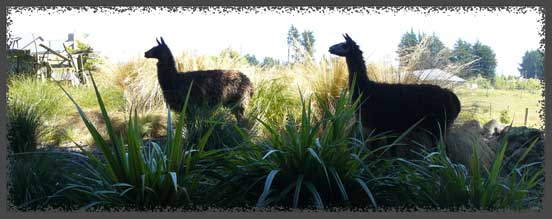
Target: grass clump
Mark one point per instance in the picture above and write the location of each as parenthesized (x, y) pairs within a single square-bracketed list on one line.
[(142, 175), (272, 102), (25, 127), (309, 162), (45, 99)]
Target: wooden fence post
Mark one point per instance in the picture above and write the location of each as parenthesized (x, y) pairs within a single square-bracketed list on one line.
[(526, 114)]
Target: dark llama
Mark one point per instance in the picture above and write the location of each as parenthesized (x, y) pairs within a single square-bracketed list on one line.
[(230, 88), (396, 107)]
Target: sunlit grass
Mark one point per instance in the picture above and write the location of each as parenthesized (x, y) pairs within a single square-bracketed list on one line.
[(486, 104)]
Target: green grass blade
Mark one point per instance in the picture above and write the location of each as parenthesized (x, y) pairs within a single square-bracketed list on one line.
[(176, 148), (313, 154), (476, 176), (169, 131), (205, 138), (111, 161), (339, 184), (317, 199), (527, 150), (109, 126), (298, 184), (268, 183), (368, 192), (491, 185), (534, 179), (174, 181), (269, 153)]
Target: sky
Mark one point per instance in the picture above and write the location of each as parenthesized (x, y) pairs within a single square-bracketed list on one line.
[(124, 36)]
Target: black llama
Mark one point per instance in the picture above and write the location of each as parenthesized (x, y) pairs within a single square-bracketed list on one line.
[(230, 88), (396, 107)]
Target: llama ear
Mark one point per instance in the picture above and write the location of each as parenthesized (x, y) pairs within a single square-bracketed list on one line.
[(347, 37), (158, 43), (162, 41)]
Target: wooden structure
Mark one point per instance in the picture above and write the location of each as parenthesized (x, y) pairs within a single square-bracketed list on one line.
[(60, 67), (66, 65)]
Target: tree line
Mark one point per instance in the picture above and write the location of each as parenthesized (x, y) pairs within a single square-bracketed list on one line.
[(479, 59)]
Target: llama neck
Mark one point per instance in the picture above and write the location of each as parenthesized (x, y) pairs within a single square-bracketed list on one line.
[(166, 71), (357, 72)]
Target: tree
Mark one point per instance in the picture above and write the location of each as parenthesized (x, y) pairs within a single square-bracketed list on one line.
[(462, 54), (232, 55), (437, 56), (292, 40), (301, 45), (307, 41), (486, 63), (532, 65), (481, 58), (435, 44), (251, 59), (269, 62), (408, 40), (422, 51), (90, 59)]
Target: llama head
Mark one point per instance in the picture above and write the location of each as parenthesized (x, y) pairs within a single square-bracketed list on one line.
[(161, 51), (345, 48)]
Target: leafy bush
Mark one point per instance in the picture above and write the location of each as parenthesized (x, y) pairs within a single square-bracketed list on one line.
[(505, 117)]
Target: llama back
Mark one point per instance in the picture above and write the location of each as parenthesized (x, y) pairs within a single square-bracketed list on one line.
[(399, 102), (212, 87)]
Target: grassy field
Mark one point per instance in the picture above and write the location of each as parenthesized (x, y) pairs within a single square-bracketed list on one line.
[(486, 104), (304, 150)]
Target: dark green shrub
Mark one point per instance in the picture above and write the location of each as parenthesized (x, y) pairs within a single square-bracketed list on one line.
[(25, 126), (34, 177)]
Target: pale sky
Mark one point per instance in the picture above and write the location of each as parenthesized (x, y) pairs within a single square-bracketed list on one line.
[(124, 36)]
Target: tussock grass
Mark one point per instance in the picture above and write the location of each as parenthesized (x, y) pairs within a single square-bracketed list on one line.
[(46, 100), (25, 127)]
